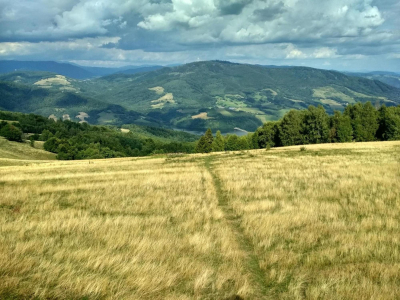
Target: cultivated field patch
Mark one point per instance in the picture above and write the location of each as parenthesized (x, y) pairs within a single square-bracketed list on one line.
[(202, 115)]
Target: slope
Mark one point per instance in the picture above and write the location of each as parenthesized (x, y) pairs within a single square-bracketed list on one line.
[(58, 97), (214, 94), (389, 78), (13, 153), (224, 95)]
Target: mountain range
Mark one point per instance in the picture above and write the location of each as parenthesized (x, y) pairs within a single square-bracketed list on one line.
[(211, 94), (70, 70)]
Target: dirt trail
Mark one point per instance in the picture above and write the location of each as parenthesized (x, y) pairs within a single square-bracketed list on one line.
[(253, 266)]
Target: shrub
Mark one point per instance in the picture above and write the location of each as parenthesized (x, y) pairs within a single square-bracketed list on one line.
[(11, 133)]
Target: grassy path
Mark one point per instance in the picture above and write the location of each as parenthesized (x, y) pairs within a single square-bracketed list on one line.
[(253, 266)]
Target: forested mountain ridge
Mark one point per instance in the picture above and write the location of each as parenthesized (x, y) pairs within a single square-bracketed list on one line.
[(389, 78), (214, 94), (68, 69)]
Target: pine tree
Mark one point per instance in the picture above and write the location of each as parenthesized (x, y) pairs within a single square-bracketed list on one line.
[(200, 145), (218, 143), (204, 145), (208, 138)]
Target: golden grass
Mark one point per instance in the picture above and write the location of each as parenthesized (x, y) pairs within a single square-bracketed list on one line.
[(158, 89), (280, 224), (160, 102), (57, 80), (324, 223), (13, 153), (202, 115), (118, 229)]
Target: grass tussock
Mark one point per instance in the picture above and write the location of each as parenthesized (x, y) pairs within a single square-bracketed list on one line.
[(278, 224)]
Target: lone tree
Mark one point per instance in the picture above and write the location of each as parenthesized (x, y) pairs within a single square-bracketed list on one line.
[(204, 145), (11, 133)]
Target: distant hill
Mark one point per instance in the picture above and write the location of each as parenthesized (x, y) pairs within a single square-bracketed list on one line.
[(139, 70), (224, 95), (70, 70), (64, 69), (195, 96), (389, 78), (58, 100)]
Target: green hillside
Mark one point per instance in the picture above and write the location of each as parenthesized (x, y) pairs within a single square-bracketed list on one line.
[(13, 153), (60, 99), (224, 95), (219, 95), (389, 78)]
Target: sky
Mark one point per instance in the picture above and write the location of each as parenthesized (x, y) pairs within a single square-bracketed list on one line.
[(346, 35)]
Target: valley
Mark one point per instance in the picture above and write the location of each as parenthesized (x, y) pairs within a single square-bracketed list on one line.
[(225, 95)]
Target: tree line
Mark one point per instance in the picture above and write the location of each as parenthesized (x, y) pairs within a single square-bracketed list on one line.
[(359, 122), (72, 140)]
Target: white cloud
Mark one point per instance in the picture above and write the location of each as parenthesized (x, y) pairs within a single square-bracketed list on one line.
[(293, 52), (325, 52)]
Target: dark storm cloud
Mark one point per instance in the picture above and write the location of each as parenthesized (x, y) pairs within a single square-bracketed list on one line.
[(232, 7), (269, 13)]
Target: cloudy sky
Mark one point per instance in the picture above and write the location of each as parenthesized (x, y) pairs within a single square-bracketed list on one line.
[(356, 35)]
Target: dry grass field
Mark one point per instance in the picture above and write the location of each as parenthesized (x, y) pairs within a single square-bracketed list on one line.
[(281, 224), (12, 153)]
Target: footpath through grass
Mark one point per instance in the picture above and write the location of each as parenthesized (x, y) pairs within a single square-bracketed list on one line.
[(281, 224)]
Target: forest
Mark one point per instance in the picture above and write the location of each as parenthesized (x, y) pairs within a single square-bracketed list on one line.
[(359, 123), (72, 140)]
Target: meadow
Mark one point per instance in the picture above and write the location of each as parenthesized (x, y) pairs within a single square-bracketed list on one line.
[(321, 223)]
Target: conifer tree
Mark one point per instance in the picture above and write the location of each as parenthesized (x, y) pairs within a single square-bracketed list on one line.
[(204, 145), (200, 145), (208, 141), (218, 143)]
